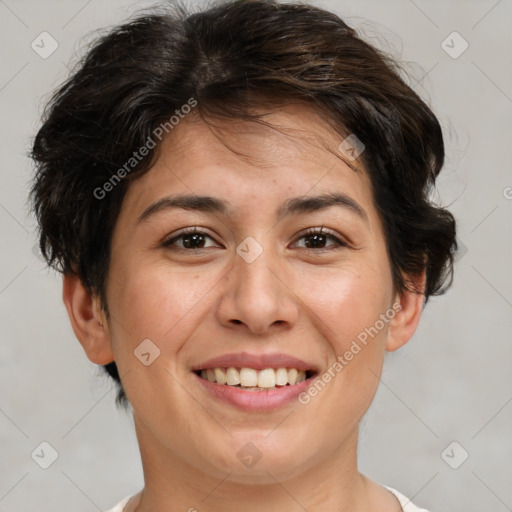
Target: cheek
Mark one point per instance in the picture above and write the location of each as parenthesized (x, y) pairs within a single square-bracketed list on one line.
[(158, 303), (346, 301), (164, 305), (357, 310), (152, 303), (347, 305)]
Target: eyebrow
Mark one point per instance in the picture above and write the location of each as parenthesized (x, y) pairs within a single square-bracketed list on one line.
[(292, 206)]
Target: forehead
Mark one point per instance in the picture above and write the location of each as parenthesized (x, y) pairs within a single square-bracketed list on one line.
[(249, 163), (288, 133)]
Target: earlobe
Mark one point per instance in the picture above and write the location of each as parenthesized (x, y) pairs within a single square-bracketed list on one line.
[(87, 320), (406, 320)]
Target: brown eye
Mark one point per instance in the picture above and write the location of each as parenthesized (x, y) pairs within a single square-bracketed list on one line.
[(193, 239), (316, 239)]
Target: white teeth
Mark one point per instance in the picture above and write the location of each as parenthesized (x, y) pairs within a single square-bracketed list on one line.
[(282, 377), (267, 378), (248, 377), (253, 379), (220, 375), (292, 376), (233, 377)]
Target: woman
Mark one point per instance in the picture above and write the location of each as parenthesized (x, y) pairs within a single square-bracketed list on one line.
[(238, 202)]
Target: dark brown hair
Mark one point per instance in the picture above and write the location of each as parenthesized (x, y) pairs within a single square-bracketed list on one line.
[(233, 58)]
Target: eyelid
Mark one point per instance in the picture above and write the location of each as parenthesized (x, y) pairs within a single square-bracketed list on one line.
[(312, 231), (339, 240), (187, 231)]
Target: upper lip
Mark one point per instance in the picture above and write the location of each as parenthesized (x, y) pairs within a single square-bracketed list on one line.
[(256, 361)]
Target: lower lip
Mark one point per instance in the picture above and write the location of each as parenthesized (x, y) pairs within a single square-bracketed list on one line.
[(255, 400)]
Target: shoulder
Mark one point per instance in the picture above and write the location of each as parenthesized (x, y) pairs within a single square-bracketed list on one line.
[(407, 504), (120, 506)]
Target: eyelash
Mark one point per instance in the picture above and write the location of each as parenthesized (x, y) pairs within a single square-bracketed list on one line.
[(309, 232)]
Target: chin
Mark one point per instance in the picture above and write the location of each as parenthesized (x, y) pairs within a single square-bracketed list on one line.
[(256, 464)]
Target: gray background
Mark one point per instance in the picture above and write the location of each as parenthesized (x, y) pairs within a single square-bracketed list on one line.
[(451, 382)]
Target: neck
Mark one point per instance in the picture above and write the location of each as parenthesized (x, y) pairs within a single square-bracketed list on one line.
[(331, 483)]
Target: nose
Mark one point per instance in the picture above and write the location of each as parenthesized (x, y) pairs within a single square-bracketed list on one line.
[(256, 296)]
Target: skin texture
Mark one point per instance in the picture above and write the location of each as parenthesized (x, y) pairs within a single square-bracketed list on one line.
[(204, 303)]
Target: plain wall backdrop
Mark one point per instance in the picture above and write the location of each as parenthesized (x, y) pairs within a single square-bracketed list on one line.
[(452, 383)]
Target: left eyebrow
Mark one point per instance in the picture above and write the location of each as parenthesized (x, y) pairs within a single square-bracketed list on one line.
[(206, 204), (292, 206), (315, 203)]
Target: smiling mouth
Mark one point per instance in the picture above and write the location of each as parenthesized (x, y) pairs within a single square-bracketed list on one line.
[(250, 379)]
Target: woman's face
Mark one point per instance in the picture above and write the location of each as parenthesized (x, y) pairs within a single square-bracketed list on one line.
[(250, 282)]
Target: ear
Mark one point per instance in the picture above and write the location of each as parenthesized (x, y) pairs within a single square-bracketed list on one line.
[(404, 323), (87, 320)]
